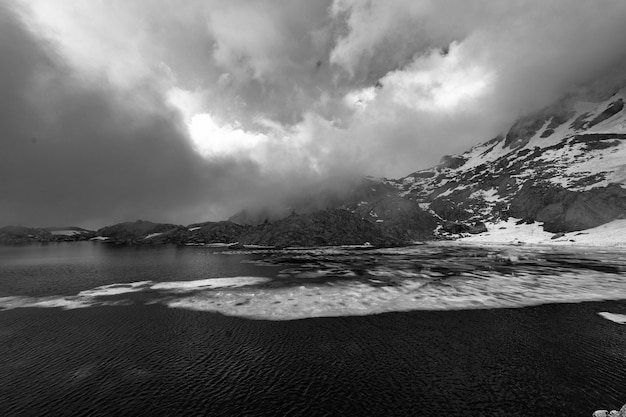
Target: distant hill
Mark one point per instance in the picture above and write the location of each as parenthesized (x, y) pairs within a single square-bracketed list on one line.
[(21, 234)]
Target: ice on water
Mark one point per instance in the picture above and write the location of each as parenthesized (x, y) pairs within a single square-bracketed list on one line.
[(341, 282), (615, 318)]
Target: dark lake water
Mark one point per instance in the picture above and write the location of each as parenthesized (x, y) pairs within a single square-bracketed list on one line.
[(90, 329)]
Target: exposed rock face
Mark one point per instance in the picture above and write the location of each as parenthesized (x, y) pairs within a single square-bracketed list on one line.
[(216, 232), (326, 227), (523, 130), (455, 227), (478, 227), (398, 216), (564, 211), (373, 211)]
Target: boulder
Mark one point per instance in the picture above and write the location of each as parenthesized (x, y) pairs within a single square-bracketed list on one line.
[(478, 227), (563, 210), (455, 227)]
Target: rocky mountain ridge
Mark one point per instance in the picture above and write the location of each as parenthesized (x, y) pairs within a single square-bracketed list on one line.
[(564, 166)]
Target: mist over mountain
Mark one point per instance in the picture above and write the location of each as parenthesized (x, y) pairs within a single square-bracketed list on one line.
[(563, 167)]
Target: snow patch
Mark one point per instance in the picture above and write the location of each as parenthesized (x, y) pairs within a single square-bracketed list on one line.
[(509, 232), (490, 196), (66, 232), (615, 318), (151, 235), (612, 163), (115, 289), (477, 156), (451, 190), (208, 283), (608, 234)]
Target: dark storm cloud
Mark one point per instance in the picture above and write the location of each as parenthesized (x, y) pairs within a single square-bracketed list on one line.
[(76, 153)]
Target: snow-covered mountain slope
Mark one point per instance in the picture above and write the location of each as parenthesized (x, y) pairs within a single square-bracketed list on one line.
[(564, 166)]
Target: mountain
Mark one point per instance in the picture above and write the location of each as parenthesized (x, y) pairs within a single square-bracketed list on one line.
[(564, 166)]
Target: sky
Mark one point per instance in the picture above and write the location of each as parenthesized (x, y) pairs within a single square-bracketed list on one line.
[(117, 110)]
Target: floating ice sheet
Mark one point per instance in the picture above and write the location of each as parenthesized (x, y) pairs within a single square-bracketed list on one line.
[(208, 283), (343, 282), (362, 298), (248, 297), (616, 318), (115, 289)]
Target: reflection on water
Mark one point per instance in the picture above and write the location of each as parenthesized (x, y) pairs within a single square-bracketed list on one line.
[(294, 284)]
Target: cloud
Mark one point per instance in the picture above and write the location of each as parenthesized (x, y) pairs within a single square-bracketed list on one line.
[(119, 110), (80, 151), (528, 44), (452, 73)]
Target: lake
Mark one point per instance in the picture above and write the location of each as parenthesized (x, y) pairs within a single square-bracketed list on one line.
[(443, 329)]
